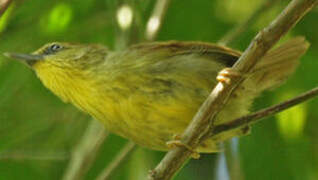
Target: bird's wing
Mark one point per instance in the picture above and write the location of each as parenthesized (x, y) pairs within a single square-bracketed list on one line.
[(221, 54)]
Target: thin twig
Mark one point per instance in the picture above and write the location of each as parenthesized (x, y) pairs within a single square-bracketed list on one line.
[(117, 162), (156, 18), (233, 34), (204, 119), (257, 116), (4, 6), (85, 152)]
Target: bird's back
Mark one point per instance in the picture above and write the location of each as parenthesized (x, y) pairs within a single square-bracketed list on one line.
[(155, 89)]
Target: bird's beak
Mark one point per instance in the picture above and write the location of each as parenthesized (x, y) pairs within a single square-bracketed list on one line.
[(30, 59)]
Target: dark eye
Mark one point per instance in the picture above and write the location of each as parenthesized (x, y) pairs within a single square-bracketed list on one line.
[(55, 47), (52, 49)]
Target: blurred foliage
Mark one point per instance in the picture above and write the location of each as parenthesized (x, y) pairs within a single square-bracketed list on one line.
[(38, 131), (292, 121)]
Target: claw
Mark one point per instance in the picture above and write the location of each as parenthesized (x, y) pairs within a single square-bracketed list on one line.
[(177, 142), (226, 74)]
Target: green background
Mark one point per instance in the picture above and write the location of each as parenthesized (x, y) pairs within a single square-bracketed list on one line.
[(38, 131)]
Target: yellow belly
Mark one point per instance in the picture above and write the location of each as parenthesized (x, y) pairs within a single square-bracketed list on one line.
[(150, 123)]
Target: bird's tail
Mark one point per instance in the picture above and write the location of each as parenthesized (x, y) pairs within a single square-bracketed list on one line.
[(271, 71), (277, 65)]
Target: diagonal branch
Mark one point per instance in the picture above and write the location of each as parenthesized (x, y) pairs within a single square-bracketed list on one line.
[(238, 30), (256, 116), (232, 161), (4, 6), (156, 18), (118, 160), (204, 118)]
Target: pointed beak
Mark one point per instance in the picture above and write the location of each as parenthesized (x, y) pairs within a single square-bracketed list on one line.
[(30, 59)]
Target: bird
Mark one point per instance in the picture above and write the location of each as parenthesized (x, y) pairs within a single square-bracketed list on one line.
[(149, 92)]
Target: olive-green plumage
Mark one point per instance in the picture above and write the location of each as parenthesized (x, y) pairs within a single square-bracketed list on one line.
[(150, 92)]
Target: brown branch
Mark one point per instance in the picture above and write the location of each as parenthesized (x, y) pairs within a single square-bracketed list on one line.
[(257, 116), (117, 162), (232, 160), (4, 6), (205, 117), (241, 28)]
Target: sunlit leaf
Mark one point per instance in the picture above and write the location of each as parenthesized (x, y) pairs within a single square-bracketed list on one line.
[(235, 11), (58, 19), (292, 121), (5, 17)]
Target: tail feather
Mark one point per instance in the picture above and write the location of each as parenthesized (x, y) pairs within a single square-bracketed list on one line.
[(277, 65), (271, 71)]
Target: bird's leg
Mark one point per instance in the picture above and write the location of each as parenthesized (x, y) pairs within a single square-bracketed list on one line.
[(177, 142), (226, 74)]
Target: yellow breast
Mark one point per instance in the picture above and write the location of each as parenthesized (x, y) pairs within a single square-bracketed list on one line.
[(81, 90)]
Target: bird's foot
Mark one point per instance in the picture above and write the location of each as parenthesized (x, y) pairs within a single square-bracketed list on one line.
[(226, 74), (177, 142)]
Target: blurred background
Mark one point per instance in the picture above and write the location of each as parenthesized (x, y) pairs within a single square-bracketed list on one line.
[(38, 132)]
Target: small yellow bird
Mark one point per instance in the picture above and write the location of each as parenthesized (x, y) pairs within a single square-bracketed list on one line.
[(149, 92)]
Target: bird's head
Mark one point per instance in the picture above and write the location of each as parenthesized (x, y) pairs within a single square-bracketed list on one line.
[(64, 66), (63, 55)]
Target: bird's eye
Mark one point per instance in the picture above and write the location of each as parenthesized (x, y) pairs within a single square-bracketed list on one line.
[(55, 47), (52, 49)]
